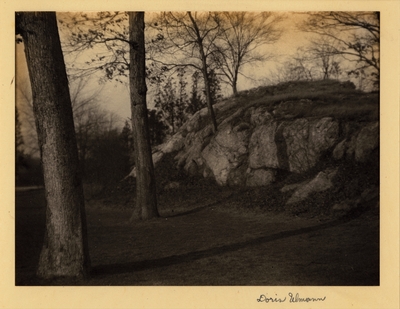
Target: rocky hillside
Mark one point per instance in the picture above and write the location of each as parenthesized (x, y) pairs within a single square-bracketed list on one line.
[(311, 131)]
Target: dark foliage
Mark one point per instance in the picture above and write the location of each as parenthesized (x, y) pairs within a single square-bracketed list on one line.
[(109, 161), (29, 172)]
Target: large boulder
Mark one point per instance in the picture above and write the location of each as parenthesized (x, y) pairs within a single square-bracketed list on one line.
[(292, 145), (226, 151), (306, 140), (360, 144), (263, 150), (194, 143), (322, 182), (367, 141), (339, 150)]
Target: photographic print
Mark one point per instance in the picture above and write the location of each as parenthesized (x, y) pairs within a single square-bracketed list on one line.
[(199, 148)]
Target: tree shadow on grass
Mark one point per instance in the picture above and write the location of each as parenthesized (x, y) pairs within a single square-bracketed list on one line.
[(121, 268), (192, 211)]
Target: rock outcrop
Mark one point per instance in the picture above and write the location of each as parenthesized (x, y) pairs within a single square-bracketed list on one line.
[(255, 142)]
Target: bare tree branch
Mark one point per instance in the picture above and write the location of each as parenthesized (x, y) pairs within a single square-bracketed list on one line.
[(354, 35)]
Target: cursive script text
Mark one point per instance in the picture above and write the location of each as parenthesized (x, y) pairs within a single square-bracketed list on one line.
[(293, 298), (266, 299)]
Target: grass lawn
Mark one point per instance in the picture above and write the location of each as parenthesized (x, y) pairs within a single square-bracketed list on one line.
[(208, 243)]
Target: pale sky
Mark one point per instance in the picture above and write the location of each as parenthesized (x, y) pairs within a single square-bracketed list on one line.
[(115, 97)]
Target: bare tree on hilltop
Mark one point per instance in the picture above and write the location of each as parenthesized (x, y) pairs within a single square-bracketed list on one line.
[(185, 40), (240, 40), (217, 44), (322, 53)]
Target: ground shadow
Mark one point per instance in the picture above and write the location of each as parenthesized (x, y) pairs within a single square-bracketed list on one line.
[(121, 268)]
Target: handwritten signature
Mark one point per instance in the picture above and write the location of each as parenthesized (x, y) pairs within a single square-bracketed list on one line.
[(293, 298)]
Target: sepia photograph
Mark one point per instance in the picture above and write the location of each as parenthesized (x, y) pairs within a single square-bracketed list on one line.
[(196, 148)]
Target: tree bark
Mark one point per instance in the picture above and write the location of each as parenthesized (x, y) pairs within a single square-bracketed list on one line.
[(208, 92), (65, 250), (146, 199), (234, 83)]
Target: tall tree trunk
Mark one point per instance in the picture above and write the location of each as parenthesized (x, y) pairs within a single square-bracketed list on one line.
[(65, 250), (146, 200)]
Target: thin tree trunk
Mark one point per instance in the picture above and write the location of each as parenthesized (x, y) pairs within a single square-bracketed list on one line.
[(208, 95), (205, 74), (173, 117), (146, 200), (65, 250), (234, 84)]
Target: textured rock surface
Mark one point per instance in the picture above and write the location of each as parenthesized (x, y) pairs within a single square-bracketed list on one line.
[(226, 151), (360, 144), (322, 182), (253, 144), (367, 141), (339, 150), (306, 141), (263, 151)]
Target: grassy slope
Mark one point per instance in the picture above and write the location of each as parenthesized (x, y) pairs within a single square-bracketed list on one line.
[(329, 99)]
